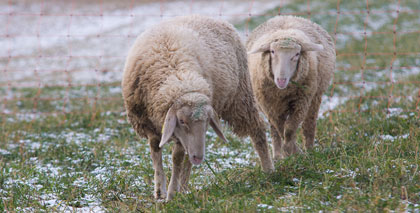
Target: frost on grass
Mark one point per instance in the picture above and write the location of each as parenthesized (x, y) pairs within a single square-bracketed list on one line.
[(343, 173), (393, 138), (228, 157), (330, 103), (289, 208), (20, 116), (221, 156), (59, 168), (394, 112), (4, 152), (265, 206), (90, 204)]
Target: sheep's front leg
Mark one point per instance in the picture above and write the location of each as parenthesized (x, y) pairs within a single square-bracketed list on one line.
[(295, 118), (185, 174), (178, 153), (277, 131), (160, 179)]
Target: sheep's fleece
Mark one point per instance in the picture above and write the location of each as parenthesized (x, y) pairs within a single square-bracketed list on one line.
[(299, 102), (191, 60)]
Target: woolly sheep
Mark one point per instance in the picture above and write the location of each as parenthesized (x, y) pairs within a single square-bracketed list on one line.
[(178, 77), (291, 61)]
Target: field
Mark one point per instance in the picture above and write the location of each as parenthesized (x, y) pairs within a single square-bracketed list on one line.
[(66, 145)]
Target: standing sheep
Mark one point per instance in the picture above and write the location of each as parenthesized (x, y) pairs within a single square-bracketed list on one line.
[(293, 68), (178, 77)]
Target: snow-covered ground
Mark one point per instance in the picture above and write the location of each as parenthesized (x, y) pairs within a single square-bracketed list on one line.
[(86, 44), (62, 43), (330, 103)]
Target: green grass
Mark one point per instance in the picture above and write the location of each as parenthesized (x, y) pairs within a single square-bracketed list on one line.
[(71, 148)]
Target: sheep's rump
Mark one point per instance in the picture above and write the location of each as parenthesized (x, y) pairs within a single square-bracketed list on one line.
[(178, 56)]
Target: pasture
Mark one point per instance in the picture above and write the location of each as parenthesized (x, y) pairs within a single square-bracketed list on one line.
[(65, 143)]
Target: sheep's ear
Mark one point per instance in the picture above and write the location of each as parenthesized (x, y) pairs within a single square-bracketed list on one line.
[(168, 127), (312, 47), (260, 49), (215, 124)]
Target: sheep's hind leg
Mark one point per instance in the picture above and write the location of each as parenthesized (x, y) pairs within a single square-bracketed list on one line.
[(259, 140), (160, 179), (309, 125), (244, 119), (253, 126), (178, 153)]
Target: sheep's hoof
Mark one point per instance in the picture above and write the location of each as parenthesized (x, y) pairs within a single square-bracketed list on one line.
[(268, 167), (298, 150), (309, 146), (160, 194), (291, 149), (170, 196), (269, 170), (278, 158)]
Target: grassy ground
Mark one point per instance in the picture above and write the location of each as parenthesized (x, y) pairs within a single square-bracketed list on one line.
[(70, 148)]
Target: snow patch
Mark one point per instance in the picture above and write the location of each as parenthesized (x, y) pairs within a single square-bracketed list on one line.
[(4, 152), (330, 103), (264, 206), (393, 138)]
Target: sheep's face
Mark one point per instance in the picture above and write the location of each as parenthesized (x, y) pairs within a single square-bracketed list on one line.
[(189, 126), (284, 61), (191, 131), (284, 55)]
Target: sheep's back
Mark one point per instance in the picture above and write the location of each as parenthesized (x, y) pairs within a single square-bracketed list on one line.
[(226, 69), (202, 46)]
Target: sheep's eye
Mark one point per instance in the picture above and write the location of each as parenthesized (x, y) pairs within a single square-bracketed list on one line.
[(272, 51), (297, 54)]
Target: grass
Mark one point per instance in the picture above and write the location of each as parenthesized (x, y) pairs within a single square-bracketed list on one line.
[(70, 148)]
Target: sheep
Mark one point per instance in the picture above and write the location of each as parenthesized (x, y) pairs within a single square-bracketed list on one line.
[(180, 76), (291, 62)]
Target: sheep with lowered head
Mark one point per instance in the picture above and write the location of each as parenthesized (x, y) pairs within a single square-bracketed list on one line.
[(291, 61), (178, 78)]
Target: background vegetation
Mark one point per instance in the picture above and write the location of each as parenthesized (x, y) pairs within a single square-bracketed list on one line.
[(366, 157)]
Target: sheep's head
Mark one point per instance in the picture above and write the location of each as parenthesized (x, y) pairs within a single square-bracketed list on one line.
[(285, 54), (189, 125)]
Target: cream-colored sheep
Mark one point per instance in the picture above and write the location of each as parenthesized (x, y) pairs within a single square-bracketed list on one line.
[(291, 61), (179, 77)]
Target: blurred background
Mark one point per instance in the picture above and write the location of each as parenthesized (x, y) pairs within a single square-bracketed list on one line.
[(80, 46), (49, 43), (65, 144)]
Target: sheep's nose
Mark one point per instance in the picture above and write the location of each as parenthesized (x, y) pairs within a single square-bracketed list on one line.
[(197, 159), (281, 83)]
